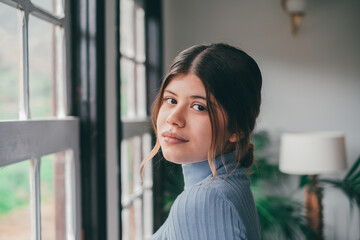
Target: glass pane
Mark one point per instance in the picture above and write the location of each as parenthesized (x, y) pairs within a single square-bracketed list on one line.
[(131, 156), (127, 86), (136, 160), (126, 172), (15, 201), (148, 213), (141, 90), (147, 185), (131, 218), (138, 219), (127, 220), (146, 148), (41, 68), (52, 181), (140, 34), (132, 190), (127, 28), (127, 190), (9, 63)]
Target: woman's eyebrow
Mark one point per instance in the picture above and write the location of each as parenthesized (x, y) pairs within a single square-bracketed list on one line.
[(198, 97), (193, 96), (170, 92)]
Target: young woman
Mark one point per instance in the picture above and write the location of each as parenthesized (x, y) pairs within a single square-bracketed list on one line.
[(203, 118)]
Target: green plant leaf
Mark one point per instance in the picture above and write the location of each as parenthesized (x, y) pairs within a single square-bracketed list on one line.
[(283, 218), (353, 168), (260, 140), (304, 180), (262, 170), (349, 185)]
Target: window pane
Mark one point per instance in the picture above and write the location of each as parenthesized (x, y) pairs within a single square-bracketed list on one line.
[(130, 165), (127, 220), (148, 213), (141, 90), (127, 28), (9, 62), (132, 221), (136, 214), (52, 181), (127, 88), (140, 34), (147, 185), (126, 172), (127, 184), (146, 148), (15, 201), (41, 68), (136, 160), (138, 218)]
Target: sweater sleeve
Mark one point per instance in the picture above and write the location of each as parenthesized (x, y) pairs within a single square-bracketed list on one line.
[(204, 213)]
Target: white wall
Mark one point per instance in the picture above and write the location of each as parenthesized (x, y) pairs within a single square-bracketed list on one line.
[(310, 82)]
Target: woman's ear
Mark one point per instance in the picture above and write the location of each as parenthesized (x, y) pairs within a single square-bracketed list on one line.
[(235, 137)]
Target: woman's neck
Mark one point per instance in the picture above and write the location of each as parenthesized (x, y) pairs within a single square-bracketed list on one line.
[(196, 172)]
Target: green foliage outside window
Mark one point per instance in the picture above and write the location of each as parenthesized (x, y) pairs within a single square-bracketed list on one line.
[(14, 184)]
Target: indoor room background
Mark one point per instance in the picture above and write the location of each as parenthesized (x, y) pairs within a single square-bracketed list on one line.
[(311, 81)]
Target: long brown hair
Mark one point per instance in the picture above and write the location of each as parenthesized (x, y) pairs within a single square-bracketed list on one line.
[(234, 79)]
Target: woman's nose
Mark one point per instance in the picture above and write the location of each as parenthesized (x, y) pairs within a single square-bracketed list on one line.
[(177, 117)]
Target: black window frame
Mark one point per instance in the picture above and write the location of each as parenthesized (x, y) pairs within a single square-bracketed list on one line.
[(88, 71)]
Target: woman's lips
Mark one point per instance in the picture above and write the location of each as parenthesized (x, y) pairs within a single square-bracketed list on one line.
[(170, 137)]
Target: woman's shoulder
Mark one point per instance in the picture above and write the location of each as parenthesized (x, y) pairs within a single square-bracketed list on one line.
[(198, 210)]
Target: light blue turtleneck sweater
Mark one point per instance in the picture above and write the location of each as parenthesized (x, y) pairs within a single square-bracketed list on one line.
[(222, 209)]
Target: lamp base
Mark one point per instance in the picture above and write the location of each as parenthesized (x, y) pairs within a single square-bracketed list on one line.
[(314, 207)]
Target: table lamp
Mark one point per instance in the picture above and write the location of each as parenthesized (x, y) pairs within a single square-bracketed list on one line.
[(311, 154)]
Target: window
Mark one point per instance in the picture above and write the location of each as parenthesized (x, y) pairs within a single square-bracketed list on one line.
[(39, 142), (136, 196)]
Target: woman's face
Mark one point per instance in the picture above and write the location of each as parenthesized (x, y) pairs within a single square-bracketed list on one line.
[(183, 123)]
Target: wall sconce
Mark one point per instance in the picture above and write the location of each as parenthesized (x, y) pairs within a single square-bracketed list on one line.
[(296, 10), (312, 153)]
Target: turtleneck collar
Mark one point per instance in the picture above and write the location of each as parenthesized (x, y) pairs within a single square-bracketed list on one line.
[(196, 172)]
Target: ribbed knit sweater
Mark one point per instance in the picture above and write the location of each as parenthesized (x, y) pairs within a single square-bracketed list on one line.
[(222, 209)]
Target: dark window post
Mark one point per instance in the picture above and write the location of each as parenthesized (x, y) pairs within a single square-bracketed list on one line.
[(88, 74)]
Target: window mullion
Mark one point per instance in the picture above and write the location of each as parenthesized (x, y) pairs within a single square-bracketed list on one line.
[(46, 16), (60, 68), (24, 104), (72, 215), (60, 73), (35, 199)]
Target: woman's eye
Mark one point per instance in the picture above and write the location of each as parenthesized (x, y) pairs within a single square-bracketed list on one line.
[(199, 107), (170, 100)]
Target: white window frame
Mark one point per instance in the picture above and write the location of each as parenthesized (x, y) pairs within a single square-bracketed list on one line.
[(28, 139)]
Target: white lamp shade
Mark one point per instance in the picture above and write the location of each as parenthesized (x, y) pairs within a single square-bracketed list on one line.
[(312, 153)]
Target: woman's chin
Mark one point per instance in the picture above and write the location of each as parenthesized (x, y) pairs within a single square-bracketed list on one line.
[(174, 158), (182, 158)]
